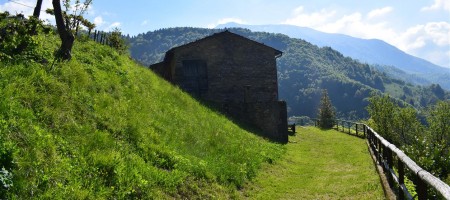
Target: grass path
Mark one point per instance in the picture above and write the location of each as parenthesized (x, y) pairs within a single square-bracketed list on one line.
[(319, 165)]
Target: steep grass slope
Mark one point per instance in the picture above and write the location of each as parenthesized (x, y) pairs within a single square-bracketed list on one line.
[(101, 126)]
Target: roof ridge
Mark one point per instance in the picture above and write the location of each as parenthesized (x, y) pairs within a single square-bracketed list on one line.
[(278, 52)]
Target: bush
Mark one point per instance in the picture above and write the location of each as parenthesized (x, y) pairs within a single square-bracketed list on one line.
[(6, 162), (117, 42), (20, 40)]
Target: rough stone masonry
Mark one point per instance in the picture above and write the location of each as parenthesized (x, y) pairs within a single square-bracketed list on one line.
[(234, 73)]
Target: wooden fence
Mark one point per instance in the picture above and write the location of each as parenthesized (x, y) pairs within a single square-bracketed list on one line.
[(100, 37), (352, 128), (395, 163)]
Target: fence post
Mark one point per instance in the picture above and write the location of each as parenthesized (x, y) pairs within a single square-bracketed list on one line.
[(421, 188), (401, 179), (390, 165), (356, 127), (365, 130), (349, 127), (380, 155), (293, 128), (98, 35)]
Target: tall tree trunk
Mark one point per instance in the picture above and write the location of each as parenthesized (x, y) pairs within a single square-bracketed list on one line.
[(65, 34), (37, 9)]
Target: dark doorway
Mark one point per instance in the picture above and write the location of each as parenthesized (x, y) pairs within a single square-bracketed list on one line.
[(195, 77)]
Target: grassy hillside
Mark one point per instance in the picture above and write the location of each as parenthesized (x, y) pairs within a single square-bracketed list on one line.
[(304, 70), (101, 126)]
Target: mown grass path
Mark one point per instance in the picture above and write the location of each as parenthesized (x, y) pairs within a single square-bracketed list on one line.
[(319, 165)]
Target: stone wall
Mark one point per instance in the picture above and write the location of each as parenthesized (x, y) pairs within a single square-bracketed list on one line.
[(233, 72), (269, 117), (237, 69)]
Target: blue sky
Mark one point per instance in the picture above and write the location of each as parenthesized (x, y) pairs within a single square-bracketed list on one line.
[(418, 27)]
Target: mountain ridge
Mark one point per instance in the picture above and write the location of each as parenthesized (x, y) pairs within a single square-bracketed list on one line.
[(303, 71), (371, 51)]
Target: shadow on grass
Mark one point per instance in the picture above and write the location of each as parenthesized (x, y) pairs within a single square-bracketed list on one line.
[(216, 107)]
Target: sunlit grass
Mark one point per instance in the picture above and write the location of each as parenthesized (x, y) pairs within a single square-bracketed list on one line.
[(319, 165), (101, 126)]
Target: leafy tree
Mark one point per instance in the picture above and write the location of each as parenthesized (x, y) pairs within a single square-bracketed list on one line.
[(69, 23), (406, 125), (428, 146), (116, 41), (382, 110), (439, 121), (64, 32), (327, 114), (74, 18)]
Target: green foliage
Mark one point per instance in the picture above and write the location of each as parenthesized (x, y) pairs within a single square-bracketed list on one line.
[(100, 126), (406, 125), (6, 161), (326, 114), (117, 42), (428, 146), (19, 39), (303, 71), (439, 130), (382, 111), (75, 17)]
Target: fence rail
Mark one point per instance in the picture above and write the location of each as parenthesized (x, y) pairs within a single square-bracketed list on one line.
[(352, 128), (395, 163)]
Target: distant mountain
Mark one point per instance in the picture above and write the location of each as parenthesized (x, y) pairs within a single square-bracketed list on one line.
[(370, 51), (303, 71)]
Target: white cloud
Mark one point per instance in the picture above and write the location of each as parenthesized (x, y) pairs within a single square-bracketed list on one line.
[(432, 33), (226, 20), (430, 40), (438, 5), (145, 22), (113, 25), (353, 24), (301, 18), (379, 12), (98, 21)]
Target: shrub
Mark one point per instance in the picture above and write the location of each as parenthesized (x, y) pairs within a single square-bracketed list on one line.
[(20, 40), (117, 42)]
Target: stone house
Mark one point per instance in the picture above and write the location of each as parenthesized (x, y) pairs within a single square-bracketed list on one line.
[(234, 73)]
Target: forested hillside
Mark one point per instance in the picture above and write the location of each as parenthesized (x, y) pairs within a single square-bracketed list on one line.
[(372, 51), (304, 70)]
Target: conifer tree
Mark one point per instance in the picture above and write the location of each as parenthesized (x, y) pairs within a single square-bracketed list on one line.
[(326, 111)]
